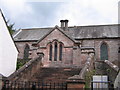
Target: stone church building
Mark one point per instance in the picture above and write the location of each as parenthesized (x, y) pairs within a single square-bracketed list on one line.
[(69, 46)]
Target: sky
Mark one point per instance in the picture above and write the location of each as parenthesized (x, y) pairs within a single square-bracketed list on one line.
[(48, 13)]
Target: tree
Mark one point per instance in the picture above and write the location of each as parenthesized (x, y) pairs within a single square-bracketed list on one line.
[(10, 27)]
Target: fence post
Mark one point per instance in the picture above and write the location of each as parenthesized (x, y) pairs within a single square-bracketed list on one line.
[(78, 84)]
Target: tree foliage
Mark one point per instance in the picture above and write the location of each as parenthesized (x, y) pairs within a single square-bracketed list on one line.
[(10, 27)]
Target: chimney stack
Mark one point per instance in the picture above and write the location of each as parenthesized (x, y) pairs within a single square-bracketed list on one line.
[(64, 24)]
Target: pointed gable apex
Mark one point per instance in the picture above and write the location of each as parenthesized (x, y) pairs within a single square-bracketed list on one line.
[(58, 28)]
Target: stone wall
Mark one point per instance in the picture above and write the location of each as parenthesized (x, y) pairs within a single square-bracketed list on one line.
[(56, 37), (89, 66), (107, 68), (25, 72), (111, 70), (69, 56), (77, 56), (71, 53), (96, 43), (21, 47), (117, 81), (79, 81)]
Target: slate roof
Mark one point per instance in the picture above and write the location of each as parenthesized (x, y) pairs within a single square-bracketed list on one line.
[(31, 34), (76, 32), (98, 31)]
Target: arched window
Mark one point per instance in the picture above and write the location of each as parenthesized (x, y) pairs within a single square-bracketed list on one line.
[(26, 52), (60, 52), (104, 52), (55, 51), (50, 52)]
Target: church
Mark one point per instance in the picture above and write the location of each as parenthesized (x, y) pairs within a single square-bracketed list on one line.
[(69, 45), (74, 56), (64, 56)]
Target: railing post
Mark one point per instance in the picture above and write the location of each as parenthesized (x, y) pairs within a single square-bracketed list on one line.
[(91, 85), (1, 83), (33, 86)]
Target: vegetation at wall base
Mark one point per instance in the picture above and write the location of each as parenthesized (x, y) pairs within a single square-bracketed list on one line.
[(88, 79), (20, 63)]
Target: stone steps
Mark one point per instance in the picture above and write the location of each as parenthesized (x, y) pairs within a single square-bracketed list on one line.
[(48, 74)]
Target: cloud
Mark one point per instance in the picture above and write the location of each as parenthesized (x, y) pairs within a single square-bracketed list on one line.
[(44, 12), (17, 11), (29, 13), (84, 12)]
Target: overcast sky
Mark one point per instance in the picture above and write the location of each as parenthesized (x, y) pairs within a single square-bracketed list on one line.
[(41, 13)]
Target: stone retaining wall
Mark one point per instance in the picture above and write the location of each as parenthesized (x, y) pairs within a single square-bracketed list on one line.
[(25, 72)]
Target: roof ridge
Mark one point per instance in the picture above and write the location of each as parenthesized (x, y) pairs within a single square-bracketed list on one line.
[(71, 26), (94, 25)]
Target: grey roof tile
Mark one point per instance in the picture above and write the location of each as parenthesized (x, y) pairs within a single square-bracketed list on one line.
[(31, 34), (76, 32), (99, 31)]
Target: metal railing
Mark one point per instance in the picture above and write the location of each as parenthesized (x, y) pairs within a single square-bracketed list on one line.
[(7, 85)]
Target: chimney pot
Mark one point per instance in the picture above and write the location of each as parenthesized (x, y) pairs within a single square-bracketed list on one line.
[(64, 24), (66, 20)]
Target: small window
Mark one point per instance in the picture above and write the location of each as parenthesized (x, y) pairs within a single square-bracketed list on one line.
[(50, 52), (55, 51), (60, 52), (26, 52)]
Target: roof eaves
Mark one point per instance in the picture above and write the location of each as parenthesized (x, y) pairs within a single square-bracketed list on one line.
[(97, 38), (16, 33), (25, 40)]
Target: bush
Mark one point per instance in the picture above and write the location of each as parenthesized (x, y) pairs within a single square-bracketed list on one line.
[(20, 63)]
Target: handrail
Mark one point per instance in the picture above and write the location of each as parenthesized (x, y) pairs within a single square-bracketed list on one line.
[(113, 66), (88, 66), (24, 67)]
